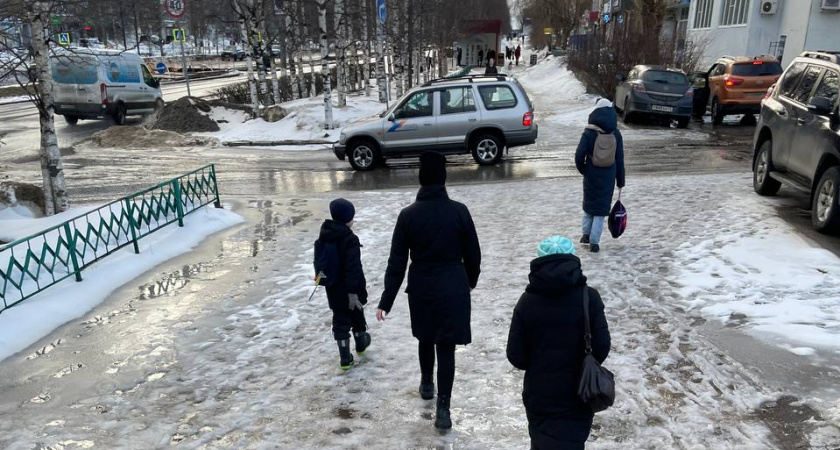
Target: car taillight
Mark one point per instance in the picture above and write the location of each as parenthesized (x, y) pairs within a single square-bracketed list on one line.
[(689, 92), (769, 91), (103, 91), (527, 119), (639, 87), (732, 81)]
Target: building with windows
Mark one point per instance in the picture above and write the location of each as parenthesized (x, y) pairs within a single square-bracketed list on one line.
[(781, 28)]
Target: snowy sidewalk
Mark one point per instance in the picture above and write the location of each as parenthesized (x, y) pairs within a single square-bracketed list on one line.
[(269, 377)]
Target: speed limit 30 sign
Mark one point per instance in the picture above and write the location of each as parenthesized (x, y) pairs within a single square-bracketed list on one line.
[(175, 8)]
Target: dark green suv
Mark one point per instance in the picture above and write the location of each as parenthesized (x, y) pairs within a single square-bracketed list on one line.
[(797, 140)]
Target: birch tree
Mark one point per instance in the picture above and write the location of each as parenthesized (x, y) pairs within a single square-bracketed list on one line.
[(244, 9), (329, 124), (37, 15)]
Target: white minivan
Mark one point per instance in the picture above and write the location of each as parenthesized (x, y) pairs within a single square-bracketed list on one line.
[(96, 84)]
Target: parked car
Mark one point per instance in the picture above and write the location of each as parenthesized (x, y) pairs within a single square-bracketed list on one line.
[(736, 85), (481, 115), (797, 140), (233, 52), (94, 84), (655, 91)]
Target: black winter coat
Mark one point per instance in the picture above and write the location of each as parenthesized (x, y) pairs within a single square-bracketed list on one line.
[(546, 337), (350, 263), (599, 182), (439, 236)]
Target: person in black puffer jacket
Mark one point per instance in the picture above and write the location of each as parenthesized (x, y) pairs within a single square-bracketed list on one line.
[(546, 340), (339, 250)]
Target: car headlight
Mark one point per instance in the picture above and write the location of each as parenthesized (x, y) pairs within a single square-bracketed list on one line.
[(342, 139)]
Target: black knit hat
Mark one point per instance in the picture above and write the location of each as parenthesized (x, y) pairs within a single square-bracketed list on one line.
[(432, 169), (342, 211)]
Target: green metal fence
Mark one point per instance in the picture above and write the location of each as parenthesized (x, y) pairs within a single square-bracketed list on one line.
[(32, 264)]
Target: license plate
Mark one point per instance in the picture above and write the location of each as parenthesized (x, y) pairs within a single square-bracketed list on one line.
[(662, 108), (755, 94)]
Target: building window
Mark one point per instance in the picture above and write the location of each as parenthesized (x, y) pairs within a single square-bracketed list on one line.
[(703, 13), (734, 12)]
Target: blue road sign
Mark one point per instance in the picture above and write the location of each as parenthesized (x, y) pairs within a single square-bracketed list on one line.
[(620, 19), (161, 68), (382, 11), (64, 39), (606, 18)]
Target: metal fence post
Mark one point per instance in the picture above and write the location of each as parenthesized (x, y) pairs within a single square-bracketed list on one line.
[(131, 225), (71, 248), (217, 203), (179, 209)]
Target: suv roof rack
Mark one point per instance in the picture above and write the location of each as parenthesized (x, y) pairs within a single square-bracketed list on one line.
[(823, 55), (469, 78)]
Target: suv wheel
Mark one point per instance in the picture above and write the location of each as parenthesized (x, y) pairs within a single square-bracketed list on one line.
[(487, 149), (717, 112), (825, 214), (762, 182), (363, 155), (119, 115), (71, 120), (682, 122), (626, 116)]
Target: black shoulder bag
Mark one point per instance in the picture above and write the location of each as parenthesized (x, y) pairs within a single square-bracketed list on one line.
[(597, 384)]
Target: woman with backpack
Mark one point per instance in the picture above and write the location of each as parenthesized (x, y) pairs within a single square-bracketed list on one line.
[(600, 159), (547, 341)]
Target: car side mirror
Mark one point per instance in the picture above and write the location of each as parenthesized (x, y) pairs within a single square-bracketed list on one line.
[(391, 117), (621, 78), (820, 106)]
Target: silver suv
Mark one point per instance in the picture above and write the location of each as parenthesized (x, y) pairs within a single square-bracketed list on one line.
[(444, 116)]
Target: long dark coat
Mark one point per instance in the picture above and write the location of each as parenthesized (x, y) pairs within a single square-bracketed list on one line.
[(599, 182), (546, 339), (439, 236), (352, 279)]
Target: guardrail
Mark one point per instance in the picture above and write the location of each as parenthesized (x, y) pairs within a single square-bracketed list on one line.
[(33, 264)]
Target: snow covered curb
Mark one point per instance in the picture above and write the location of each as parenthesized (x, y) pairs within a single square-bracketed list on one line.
[(33, 319), (304, 124)]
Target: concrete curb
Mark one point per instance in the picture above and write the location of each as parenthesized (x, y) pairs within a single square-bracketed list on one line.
[(273, 143)]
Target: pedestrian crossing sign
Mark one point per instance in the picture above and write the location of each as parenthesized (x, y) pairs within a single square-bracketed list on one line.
[(64, 39), (179, 35)]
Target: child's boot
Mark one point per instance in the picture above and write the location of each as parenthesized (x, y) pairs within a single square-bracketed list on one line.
[(344, 351), (362, 342)]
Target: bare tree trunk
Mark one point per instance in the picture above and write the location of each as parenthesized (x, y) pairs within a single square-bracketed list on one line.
[(249, 51), (325, 67), (340, 53), (313, 88), (366, 48), (52, 170), (275, 83)]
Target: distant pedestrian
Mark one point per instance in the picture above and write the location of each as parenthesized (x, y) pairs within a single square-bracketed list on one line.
[(546, 340), (338, 267), (439, 237), (491, 55), (491, 68), (600, 159), (518, 53), (480, 58), (459, 56)]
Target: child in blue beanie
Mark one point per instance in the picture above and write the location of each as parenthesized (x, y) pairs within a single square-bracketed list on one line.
[(338, 267), (547, 341)]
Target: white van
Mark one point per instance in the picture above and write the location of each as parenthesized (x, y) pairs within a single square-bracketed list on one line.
[(95, 84)]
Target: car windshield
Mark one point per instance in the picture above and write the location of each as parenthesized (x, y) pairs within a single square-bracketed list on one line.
[(757, 69), (664, 76)]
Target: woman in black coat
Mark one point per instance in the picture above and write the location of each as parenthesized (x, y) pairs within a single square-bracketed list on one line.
[(546, 340), (439, 236)]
